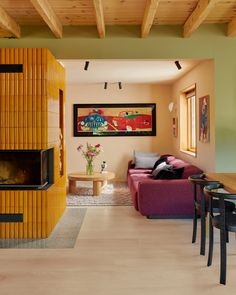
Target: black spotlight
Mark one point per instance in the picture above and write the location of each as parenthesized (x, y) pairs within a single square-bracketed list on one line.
[(86, 65), (120, 85), (178, 65), (105, 85)]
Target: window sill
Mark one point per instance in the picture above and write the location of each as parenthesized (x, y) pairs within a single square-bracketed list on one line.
[(189, 153)]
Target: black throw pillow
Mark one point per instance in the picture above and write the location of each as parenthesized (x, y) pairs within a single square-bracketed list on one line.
[(158, 162), (170, 173)]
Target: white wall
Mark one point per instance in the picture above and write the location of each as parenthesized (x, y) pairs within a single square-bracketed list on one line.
[(118, 150)]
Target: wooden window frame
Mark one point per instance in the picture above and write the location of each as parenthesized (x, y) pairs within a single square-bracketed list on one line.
[(188, 121), (191, 109)]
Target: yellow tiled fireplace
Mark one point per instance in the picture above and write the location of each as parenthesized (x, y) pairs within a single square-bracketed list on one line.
[(32, 118)]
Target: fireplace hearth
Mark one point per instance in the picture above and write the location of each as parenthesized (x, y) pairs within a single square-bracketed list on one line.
[(26, 169)]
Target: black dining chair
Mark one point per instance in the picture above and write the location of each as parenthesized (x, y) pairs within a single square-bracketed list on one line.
[(225, 221), (201, 207)]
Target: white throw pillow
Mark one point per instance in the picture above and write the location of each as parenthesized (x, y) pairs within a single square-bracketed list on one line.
[(138, 154), (145, 162)]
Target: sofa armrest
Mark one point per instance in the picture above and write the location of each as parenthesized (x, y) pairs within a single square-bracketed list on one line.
[(165, 197), (131, 165)]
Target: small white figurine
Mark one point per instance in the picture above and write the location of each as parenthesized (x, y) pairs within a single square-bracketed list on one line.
[(103, 166)]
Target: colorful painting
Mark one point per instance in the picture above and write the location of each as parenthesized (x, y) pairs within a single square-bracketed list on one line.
[(204, 118), (114, 119)]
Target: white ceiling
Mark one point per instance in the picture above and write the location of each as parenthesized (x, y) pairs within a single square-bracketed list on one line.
[(125, 71)]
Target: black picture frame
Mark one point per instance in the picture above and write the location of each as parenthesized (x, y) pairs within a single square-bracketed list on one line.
[(136, 119)]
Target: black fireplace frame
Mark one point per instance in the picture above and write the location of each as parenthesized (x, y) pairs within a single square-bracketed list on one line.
[(50, 167)]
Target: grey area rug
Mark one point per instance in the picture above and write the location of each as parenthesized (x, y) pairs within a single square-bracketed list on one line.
[(113, 194), (63, 236)]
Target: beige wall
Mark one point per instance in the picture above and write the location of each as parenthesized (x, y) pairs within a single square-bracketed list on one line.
[(203, 76), (118, 150)]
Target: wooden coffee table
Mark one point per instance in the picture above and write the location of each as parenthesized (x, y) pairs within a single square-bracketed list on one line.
[(99, 180)]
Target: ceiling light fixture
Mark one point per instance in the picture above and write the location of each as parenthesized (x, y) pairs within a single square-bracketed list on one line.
[(86, 65), (178, 65), (120, 85), (105, 85)]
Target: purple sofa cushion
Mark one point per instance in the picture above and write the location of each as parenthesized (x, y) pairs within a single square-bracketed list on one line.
[(191, 170), (170, 158), (188, 168), (139, 171), (133, 183), (177, 163), (166, 198)]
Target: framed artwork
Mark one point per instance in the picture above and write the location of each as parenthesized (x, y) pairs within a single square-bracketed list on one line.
[(204, 118), (175, 126), (115, 119)]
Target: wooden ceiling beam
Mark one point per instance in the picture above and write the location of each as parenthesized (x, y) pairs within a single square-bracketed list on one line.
[(47, 13), (9, 24), (231, 30), (202, 10), (149, 15), (99, 18)]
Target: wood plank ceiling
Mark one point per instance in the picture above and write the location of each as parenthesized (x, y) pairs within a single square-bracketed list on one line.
[(59, 13)]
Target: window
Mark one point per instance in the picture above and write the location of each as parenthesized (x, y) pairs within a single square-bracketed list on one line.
[(191, 123), (188, 120)]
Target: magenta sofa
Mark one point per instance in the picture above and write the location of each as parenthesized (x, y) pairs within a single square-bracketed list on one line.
[(162, 198)]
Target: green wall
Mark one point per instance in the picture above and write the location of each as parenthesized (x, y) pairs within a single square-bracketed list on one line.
[(164, 42)]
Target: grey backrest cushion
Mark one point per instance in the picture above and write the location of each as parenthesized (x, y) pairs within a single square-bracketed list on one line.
[(138, 154), (145, 162)]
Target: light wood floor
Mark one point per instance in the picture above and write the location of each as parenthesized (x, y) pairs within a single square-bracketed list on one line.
[(118, 252)]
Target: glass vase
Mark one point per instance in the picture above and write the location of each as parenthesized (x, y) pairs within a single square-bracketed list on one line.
[(89, 168)]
